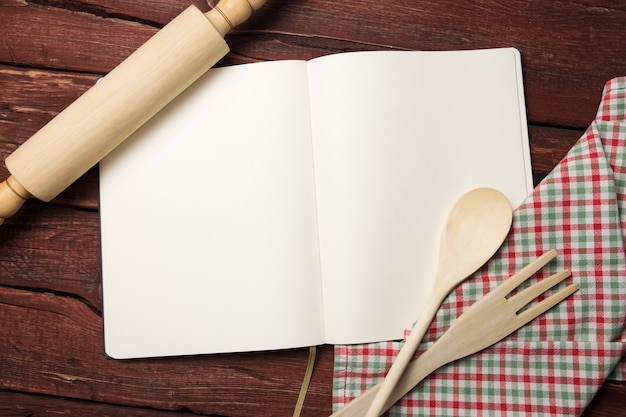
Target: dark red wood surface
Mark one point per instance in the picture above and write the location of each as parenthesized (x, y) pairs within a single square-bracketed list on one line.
[(51, 51)]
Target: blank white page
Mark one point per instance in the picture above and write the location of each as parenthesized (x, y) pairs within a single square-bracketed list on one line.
[(209, 234), (398, 137)]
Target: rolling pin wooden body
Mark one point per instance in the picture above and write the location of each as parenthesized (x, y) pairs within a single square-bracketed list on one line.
[(105, 115)]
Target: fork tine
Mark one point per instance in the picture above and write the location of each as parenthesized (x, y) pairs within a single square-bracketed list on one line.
[(523, 274), (519, 300), (545, 305)]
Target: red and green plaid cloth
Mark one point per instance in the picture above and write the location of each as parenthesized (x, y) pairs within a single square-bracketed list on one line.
[(556, 364)]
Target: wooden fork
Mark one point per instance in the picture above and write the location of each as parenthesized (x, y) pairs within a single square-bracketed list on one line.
[(486, 322)]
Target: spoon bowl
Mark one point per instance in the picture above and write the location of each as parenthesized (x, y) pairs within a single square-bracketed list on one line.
[(475, 229)]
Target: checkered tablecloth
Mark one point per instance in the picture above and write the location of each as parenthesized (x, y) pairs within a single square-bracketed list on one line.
[(554, 365)]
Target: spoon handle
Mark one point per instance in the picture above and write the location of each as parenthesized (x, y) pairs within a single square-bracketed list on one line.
[(419, 368), (406, 353)]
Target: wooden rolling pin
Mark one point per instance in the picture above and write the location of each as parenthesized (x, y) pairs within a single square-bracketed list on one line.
[(109, 112)]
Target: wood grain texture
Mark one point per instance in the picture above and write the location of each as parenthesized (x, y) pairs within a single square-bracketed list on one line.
[(51, 51), (74, 365)]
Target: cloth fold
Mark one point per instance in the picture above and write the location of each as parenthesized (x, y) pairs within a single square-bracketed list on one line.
[(555, 364)]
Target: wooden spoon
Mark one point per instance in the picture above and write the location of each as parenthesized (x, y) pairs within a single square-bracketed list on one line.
[(475, 228)]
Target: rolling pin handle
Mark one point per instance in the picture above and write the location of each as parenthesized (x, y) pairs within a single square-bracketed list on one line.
[(229, 13), (12, 197)]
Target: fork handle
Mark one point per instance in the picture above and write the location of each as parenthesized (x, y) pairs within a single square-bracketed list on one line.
[(406, 353), (416, 371), (444, 351)]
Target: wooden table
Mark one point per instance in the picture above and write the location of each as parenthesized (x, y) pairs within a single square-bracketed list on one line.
[(51, 356)]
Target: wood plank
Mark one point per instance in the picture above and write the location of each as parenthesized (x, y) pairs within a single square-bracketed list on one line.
[(29, 405), (549, 145), (608, 402), (52, 345), (605, 404), (29, 40), (30, 98), (158, 13), (50, 248), (566, 59)]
